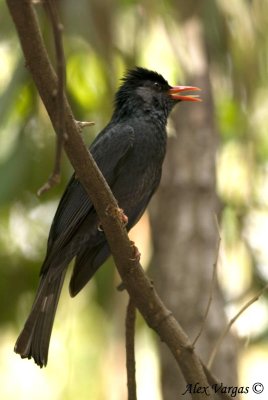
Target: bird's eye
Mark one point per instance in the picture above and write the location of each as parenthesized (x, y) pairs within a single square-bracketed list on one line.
[(157, 85)]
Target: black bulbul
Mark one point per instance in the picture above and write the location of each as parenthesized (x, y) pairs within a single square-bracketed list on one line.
[(129, 152)]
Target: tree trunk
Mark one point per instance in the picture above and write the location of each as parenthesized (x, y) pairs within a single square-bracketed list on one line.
[(184, 230)]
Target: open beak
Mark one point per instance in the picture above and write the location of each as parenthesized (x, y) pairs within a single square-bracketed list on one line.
[(175, 93)]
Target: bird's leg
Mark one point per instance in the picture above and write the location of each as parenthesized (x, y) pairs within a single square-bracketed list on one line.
[(136, 253), (117, 212)]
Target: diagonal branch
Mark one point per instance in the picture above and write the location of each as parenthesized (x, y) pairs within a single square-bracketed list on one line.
[(136, 282)]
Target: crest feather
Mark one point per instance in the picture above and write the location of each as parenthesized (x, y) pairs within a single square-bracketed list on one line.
[(142, 74)]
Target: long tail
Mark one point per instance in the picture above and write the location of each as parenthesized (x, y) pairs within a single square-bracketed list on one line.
[(33, 340)]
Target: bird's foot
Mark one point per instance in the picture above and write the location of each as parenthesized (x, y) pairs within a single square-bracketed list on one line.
[(122, 216), (136, 253), (117, 212)]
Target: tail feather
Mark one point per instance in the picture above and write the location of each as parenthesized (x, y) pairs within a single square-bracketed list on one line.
[(33, 341), (87, 262)]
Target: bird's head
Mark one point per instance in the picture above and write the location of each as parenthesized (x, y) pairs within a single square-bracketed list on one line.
[(147, 92)]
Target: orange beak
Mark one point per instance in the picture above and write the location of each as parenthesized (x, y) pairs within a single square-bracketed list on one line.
[(175, 91)]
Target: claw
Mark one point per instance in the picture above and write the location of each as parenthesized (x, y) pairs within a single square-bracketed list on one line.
[(136, 253), (100, 229), (122, 216)]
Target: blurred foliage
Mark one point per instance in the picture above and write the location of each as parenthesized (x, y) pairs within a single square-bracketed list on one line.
[(101, 40)]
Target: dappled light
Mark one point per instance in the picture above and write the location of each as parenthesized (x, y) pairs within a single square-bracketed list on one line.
[(87, 353)]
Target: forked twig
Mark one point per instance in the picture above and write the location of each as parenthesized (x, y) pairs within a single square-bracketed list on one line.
[(231, 322)]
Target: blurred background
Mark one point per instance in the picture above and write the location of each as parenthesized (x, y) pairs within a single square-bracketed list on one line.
[(216, 169)]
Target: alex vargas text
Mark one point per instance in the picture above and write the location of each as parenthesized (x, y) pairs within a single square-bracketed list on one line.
[(216, 388)]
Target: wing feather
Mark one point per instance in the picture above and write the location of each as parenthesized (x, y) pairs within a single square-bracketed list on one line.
[(108, 150)]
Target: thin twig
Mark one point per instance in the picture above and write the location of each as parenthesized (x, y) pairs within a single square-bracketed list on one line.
[(130, 350), (212, 285), (232, 321), (83, 124), (61, 74)]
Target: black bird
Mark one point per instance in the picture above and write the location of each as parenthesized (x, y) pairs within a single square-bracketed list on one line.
[(129, 152)]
